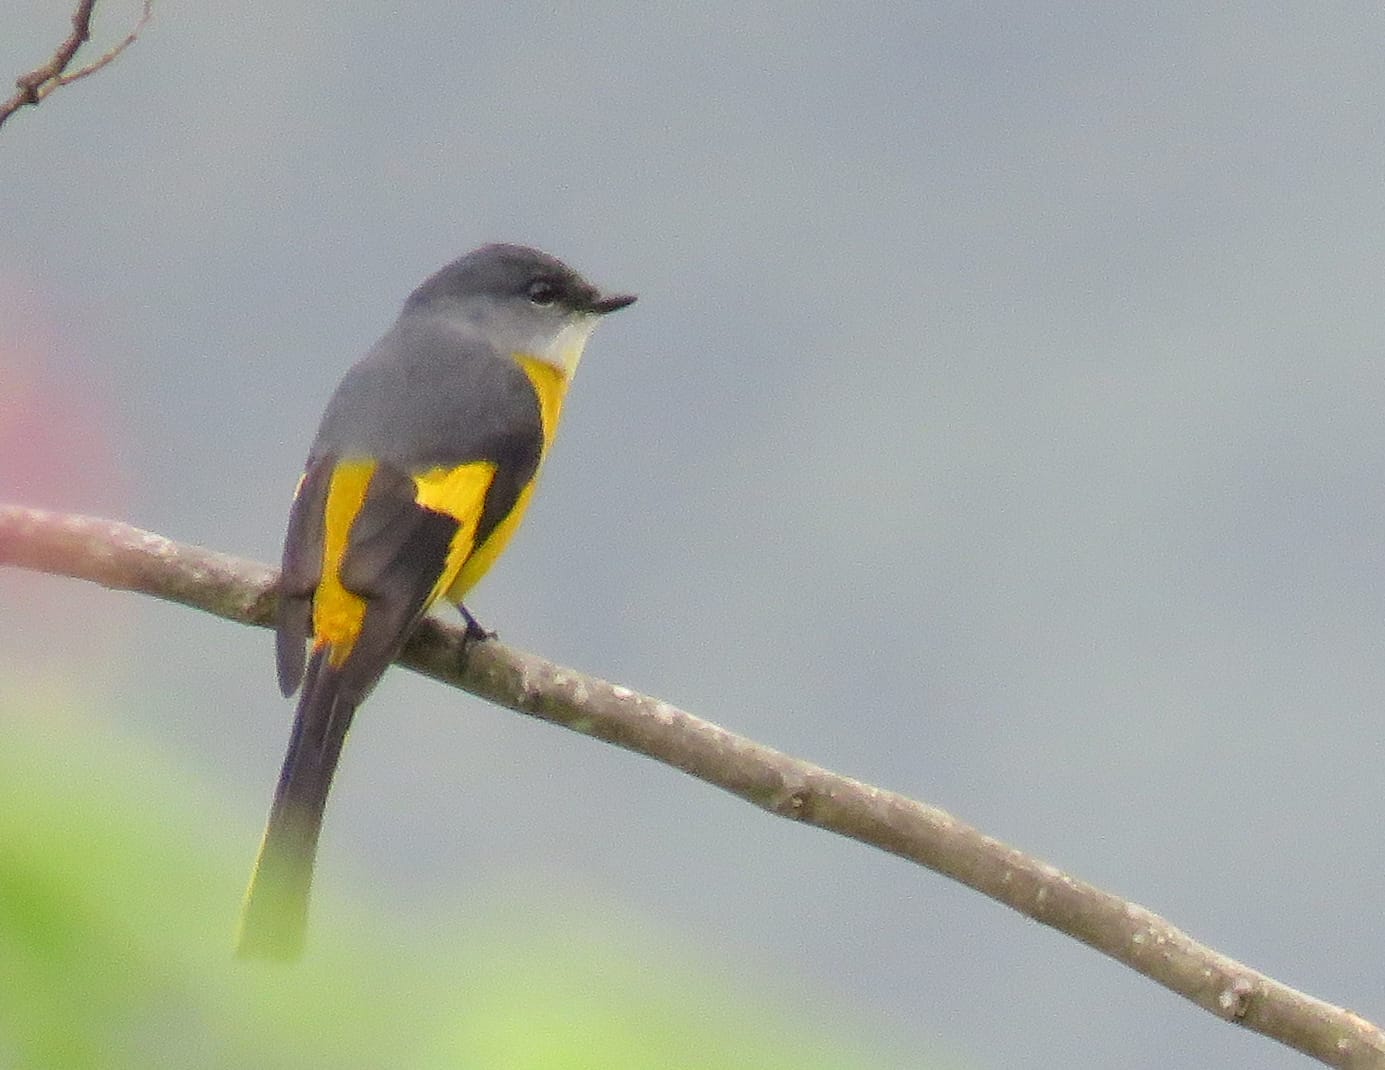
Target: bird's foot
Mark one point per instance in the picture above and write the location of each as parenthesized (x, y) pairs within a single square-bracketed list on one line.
[(474, 632)]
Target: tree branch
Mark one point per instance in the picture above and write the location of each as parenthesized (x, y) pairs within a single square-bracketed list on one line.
[(42, 80), (119, 556)]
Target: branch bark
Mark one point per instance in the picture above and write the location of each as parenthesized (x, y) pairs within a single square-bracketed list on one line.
[(122, 557), (42, 80)]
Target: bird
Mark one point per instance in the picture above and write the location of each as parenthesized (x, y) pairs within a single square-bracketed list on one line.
[(424, 462)]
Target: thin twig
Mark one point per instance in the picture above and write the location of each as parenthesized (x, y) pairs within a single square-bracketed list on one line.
[(123, 557), (42, 80)]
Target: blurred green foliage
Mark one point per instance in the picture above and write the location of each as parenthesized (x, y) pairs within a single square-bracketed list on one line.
[(119, 887)]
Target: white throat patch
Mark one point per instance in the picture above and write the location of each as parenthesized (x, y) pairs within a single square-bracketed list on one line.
[(564, 349)]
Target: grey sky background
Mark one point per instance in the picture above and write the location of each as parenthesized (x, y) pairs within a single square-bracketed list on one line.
[(1000, 422)]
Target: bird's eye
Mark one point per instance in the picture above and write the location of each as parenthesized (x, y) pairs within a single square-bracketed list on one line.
[(542, 292)]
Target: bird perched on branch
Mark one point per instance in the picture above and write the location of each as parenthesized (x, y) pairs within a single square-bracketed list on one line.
[(421, 471)]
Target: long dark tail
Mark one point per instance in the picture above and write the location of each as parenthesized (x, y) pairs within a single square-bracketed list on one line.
[(275, 915)]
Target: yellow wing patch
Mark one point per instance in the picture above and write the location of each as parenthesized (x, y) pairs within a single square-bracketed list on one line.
[(337, 613), (461, 494)]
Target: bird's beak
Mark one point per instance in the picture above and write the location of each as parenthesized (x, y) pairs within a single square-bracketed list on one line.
[(604, 303)]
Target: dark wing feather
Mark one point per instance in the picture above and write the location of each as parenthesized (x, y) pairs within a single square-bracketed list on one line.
[(301, 571)]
